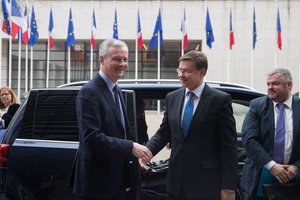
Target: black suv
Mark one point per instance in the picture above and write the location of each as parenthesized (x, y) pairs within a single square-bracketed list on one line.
[(38, 148)]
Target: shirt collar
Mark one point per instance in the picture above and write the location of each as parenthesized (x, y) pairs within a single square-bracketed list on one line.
[(197, 91), (287, 103), (110, 84)]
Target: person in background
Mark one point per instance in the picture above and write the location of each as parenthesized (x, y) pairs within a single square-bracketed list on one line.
[(103, 160), (199, 123), (271, 136), (9, 105), (142, 128)]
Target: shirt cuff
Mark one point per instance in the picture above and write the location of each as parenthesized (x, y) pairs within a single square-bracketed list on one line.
[(270, 164)]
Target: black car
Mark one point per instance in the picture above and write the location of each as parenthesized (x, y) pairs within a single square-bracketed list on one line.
[(38, 148)]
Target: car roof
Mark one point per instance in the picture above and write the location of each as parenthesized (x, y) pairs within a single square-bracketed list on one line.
[(150, 88)]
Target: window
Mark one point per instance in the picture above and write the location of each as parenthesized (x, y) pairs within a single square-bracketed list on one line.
[(50, 115)]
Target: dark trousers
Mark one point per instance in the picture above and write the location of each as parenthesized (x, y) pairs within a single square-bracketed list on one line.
[(120, 196), (181, 196)]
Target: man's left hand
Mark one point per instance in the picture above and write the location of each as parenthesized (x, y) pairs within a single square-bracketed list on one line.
[(292, 170)]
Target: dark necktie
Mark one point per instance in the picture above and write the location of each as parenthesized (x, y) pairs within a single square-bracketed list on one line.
[(116, 96), (188, 114), (279, 142)]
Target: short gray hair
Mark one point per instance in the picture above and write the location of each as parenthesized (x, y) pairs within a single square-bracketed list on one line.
[(106, 44), (285, 74)]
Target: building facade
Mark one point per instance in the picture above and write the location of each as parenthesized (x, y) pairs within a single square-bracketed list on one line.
[(243, 64)]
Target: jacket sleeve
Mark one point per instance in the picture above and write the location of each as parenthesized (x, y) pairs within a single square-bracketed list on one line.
[(9, 114)]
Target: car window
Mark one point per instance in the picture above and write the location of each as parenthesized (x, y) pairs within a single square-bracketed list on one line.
[(50, 115), (154, 117), (239, 113)]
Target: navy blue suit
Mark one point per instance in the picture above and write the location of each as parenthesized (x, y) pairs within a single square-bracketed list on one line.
[(101, 163), (205, 161), (258, 139)]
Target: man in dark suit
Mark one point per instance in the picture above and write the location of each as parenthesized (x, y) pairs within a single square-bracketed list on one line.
[(203, 162), (101, 169), (270, 158)]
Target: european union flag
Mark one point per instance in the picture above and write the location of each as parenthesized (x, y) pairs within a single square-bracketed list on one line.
[(115, 28), (34, 35), (209, 31), (158, 30), (71, 36), (254, 29)]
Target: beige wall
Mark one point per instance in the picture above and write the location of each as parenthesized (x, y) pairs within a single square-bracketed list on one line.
[(238, 61)]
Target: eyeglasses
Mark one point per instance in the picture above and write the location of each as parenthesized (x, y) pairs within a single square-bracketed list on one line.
[(184, 71), (4, 94)]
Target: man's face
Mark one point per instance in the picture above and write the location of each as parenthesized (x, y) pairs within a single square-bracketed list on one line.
[(189, 76), (115, 64), (278, 89)]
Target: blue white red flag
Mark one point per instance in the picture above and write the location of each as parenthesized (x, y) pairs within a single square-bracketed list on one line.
[(51, 29), (231, 35), (16, 18), (279, 40), (139, 33), (184, 31), (25, 27), (93, 31)]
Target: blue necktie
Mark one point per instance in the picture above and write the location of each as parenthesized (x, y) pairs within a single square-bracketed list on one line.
[(279, 142), (188, 114)]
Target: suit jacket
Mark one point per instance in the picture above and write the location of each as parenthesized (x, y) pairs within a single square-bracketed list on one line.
[(206, 159), (258, 139), (12, 109), (101, 163)]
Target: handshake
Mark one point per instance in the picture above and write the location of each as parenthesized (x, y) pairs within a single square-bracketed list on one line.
[(143, 153)]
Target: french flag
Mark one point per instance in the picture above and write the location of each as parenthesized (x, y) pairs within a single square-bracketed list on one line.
[(16, 18), (231, 35), (184, 32), (139, 33), (94, 30), (51, 28), (25, 27), (279, 40)]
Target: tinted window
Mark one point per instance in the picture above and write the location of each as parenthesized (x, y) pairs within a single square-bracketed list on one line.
[(50, 115)]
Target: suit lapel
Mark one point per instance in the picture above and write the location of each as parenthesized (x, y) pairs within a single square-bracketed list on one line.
[(109, 98), (178, 112), (204, 98), (296, 122)]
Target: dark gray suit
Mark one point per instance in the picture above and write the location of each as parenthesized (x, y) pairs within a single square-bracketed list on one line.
[(258, 138), (101, 166), (205, 161)]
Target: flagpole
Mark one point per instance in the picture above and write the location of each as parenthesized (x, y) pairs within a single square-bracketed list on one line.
[(10, 52), (31, 67), (92, 49), (1, 37), (158, 49), (26, 54), (9, 60), (182, 37), (228, 49), (276, 44), (19, 63), (136, 43), (252, 51), (48, 55)]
